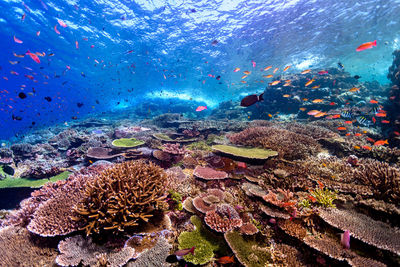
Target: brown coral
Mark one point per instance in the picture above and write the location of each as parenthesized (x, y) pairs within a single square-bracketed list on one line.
[(121, 197), (288, 144), (208, 173)]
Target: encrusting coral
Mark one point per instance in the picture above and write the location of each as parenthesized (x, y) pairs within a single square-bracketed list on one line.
[(121, 197), (223, 218)]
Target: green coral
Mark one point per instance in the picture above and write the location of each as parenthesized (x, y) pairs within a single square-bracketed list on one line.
[(127, 142), (250, 251), (212, 138), (32, 183), (245, 152), (205, 243), (162, 137), (201, 145), (305, 204), (177, 198), (324, 197)]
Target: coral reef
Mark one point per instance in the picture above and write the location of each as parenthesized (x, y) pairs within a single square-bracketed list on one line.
[(78, 250), (154, 256), (122, 197)]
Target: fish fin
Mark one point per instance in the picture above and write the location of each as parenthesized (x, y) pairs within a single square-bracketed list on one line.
[(261, 97), (374, 43)]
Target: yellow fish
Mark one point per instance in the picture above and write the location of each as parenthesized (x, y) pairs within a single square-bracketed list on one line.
[(309, 82), (305, 71), (246, 72), (286, 68), (275, 82), (354, 89), (268, 76), (267, 68)]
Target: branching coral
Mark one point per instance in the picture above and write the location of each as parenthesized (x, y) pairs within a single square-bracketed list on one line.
[(381, 177), (121, 197), (288, 144)]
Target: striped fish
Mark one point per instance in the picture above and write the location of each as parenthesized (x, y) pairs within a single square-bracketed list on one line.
[(363, 121), (346, 114)]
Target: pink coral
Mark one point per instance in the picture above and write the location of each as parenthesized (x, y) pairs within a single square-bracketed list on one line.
[(174, 149), (223, 218), (207, 173)]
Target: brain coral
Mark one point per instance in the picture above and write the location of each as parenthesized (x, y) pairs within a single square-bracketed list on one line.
[(122, 197)]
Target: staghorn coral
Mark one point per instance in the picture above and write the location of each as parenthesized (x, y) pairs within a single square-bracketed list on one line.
[(289, 145), (18, 247), (362, 227), (224, 218), (381, 177), (77, 249), (121, 197)]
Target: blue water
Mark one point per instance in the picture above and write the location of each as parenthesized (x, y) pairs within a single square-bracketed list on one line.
[(166, 49)]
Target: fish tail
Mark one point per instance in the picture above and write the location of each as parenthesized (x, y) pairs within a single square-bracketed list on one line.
[(261, 97), (374, 43), (192, 250)]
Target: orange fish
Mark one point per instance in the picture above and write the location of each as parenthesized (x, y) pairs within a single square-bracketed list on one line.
[(302, 109), (305, 99), (305, 71), (336, 116), (236, 69), (62, 24), (268, 76), (246, 72), (385, 121), (321, 185), (286, 95), (267, 68), (244, 76), (275, 82), (318, 101), (367, 147), (372, 101), (288, 204), (366, 46), (313, 199), (309, 82), (369, 139), (313, 112), (226, 260), (381, 142), (243, 81), (357, 147), (13, 62), (354, 89), (320, 114), (341, 128), (373, 120), (348, 122), (286, 68), (358, 134), (380, 114), (17, 55), (275, 70), (316, 87), (18, 41)]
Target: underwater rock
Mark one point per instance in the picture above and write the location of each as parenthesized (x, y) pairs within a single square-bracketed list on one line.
[(244, 153), (78, 250), (22, 151)]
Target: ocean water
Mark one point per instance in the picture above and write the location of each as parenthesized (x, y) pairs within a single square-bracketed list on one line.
[(315, 81)]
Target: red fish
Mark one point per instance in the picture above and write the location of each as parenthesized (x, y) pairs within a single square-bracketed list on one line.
[(23, 17), (348, 122), (366, 46), (369, 139), (380, 114), (226, 260), (322, 72), (201, 108), (341, 128), (184, 252), (242, 165), (373, 120), (18, 41), (345, 239), (55, 29), (313, 199), (62, 24), (372, 101), (321, 185), (396, 133), (367, 147), (357, 134), (385, 121), (33, 56)]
